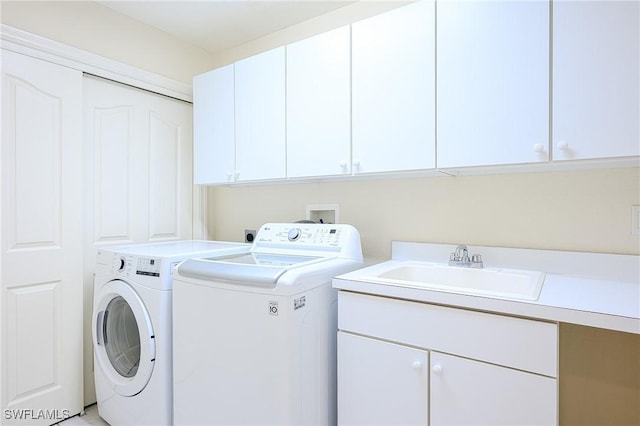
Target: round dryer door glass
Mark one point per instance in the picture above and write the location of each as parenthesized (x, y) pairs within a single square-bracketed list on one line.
[(122, 337)]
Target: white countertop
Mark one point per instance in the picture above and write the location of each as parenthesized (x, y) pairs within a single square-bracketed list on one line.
[(597, 290)]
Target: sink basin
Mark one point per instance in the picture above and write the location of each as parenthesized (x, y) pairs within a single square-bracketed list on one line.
[(496, 282)]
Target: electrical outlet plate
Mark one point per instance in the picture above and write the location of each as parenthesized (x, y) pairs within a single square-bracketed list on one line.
[(249, 235), (635, 220)]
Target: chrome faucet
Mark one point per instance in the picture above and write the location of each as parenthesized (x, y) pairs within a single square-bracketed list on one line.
[(460, 257)]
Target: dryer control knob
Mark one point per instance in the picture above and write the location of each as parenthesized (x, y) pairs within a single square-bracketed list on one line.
[(294, 234), (118, 263)]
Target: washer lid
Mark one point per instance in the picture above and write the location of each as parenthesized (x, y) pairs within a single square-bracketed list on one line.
[(253, 268), (180, 249)]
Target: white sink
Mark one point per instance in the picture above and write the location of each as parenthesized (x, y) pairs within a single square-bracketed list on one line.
[(496, 282)]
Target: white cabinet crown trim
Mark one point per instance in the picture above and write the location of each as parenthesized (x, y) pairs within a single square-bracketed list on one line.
[(39, 47)]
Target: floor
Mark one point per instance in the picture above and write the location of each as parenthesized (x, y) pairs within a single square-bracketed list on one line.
[(90, 417)]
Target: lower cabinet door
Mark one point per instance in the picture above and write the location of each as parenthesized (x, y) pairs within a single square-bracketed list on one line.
[(467, 392), (381, 383)]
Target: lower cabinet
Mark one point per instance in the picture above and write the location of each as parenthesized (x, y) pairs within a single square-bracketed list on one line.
[(411, 363), (468, 392), (381, 383)]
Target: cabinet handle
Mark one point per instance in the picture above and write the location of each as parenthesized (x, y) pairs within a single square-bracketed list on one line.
[(563, 145), (416, 365), (538, 148), (437, 368)]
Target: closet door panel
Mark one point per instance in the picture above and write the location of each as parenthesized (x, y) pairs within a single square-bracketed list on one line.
[(138, 176), (41, 240), (112, 138)]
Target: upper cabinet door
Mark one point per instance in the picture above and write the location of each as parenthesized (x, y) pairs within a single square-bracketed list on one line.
[(260, 116), (213, 133), (319, 105), (492, 82), (596, 74), (393, 60)]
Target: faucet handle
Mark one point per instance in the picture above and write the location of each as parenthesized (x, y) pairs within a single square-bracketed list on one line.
[(476, 259)]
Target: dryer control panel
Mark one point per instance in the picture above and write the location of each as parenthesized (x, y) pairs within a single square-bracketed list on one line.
[(148, 266), (128, 265)]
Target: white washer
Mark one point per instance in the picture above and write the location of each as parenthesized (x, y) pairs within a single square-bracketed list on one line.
[(132, 328), (255, 335)]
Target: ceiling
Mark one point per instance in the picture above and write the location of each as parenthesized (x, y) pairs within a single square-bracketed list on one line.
[(217, 25)]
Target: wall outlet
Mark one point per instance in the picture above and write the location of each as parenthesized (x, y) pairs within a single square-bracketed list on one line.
[(249, 235), (635, 220)]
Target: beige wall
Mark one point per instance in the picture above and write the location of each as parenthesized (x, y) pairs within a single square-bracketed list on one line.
[(584, 210), (346, 15), (97, 29)]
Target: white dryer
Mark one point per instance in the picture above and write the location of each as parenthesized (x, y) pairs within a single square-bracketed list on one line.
[(255, 334), (132, 328)]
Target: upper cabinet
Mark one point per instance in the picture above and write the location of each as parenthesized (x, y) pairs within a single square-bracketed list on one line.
[(213, 131), (239, 114), (319, 105), (492, 82), (260, 116), (461, 85), (393, 83), (596, 74)]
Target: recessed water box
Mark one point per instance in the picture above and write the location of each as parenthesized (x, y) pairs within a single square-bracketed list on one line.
[(323, 213)]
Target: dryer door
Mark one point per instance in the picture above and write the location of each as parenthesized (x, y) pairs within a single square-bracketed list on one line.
[(123, 338)]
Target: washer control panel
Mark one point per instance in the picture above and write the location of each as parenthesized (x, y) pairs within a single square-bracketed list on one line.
[(303, 234), (312, 239)]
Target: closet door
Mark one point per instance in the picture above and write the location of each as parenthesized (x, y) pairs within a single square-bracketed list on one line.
[(41, 238), (138, 176)]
